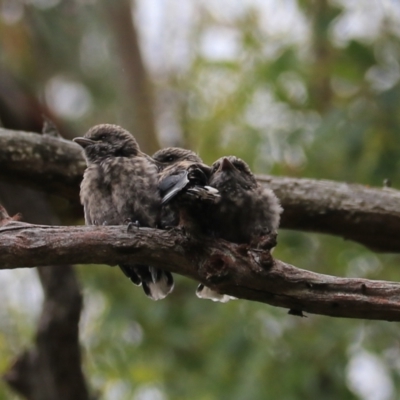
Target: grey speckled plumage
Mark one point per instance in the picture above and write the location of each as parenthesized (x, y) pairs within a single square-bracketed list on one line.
[(180, 171), (184, 172), (171, 155), (247, 210), (119, 186), (185, 194), (245, 213), (185, 209)]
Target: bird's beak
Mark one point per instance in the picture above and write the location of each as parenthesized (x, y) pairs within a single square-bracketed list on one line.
[(83, 142), (226, 165)]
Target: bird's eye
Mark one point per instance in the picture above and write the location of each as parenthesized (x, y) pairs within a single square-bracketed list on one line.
[(103, 137), (170, 158)]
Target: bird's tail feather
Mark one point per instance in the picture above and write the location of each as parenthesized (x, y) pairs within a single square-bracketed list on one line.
[(204, 292), (130, 272), (157, 284), (161, 284)]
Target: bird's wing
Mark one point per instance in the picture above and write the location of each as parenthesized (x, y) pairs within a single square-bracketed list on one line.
[(170, 186), (206, 194)]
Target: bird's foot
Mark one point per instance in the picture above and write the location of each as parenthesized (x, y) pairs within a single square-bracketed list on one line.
[(131, 224)]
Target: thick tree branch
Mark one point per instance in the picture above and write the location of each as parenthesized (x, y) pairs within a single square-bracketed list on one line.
[(370, 216), (226, 267), (53, 165)]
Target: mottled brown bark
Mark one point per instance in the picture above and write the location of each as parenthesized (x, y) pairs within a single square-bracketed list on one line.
[(226, 267), (370, 216), (53, 165)]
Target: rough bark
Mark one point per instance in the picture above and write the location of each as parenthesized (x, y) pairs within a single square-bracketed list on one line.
[(232, 269), (53, 165), (370, 216)]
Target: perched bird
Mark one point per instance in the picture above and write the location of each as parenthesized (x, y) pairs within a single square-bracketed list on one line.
[(182, 175), (186, 195), (187, 198), (245, 213), (247, 210), (242, 211), (120, 185)]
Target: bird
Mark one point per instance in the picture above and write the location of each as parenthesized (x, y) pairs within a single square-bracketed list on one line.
[(182, 174), (186, 195), (246, 213), (120, 186), (247, 210)]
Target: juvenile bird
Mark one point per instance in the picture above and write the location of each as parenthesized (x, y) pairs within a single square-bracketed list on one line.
[(246, 211), (120, 186), (187, 198), (186, 195), (182, 182)]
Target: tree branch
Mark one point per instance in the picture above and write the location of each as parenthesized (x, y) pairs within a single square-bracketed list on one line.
[(369, 216), (53, 165), (232, 269)]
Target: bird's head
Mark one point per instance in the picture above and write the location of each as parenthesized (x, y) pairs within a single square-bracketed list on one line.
[(106, 140), (173, 155), (231, 171)]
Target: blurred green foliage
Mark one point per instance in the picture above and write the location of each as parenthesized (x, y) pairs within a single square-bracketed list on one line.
[(316, 101)]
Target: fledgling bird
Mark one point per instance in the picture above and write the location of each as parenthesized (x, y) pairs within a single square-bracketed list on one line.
[(120, 185), (187, 199), (246, 211), (186, 195), (182, 174), (189, 207), (164, 159)]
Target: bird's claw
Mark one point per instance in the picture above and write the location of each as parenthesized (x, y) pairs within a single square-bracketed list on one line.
[(131, 224)]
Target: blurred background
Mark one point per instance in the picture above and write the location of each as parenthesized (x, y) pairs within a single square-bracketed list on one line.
[(303, 88)]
